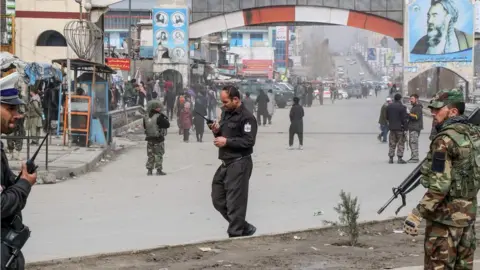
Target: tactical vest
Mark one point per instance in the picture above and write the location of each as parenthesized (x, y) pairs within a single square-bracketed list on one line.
[(466, 167), (151, 127)]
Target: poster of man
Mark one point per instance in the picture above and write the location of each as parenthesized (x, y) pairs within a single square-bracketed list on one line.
[(441, 30)]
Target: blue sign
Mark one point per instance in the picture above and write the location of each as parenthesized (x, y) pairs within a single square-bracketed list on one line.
[(440, 32), (146, 52), (372, 54), (170, 30)]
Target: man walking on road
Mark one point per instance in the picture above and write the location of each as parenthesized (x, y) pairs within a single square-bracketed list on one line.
[(14, 193), (383, 122), (415, 125), (451, 175), (235, 137), (397, 124)]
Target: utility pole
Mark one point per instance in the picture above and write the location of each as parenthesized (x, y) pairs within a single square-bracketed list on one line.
[(129, 44)]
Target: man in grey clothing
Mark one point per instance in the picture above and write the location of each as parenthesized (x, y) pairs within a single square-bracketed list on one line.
[(415, 125), (249, 103)]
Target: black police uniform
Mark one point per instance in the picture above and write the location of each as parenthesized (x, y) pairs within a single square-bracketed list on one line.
[(14, 198), (230, 182)]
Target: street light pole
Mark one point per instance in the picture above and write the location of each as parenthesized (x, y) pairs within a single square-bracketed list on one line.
[(129, 44)]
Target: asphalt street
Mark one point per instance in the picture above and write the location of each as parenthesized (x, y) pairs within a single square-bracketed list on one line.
[(118, 207)]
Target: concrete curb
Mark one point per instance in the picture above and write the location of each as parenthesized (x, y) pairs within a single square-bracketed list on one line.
[(50, 177), (207, 242)]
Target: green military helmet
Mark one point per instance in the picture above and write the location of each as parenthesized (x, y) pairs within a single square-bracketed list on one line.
[(153, 105), (446, 97)]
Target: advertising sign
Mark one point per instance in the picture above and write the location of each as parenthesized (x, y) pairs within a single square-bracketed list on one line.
[(281, 33), (170, 30), (118, 63), (258, 68), (440, 32), (372, 54)]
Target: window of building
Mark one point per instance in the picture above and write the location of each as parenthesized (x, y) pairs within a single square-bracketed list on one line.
[(255, 38), (236, 40), (51, 38)]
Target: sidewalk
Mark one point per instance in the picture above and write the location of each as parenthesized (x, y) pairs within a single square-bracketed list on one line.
[(476, 265), (63, 162)]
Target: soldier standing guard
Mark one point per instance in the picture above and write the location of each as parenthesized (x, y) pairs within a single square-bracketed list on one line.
[(34, 116), (415, 125), (451, 175), (155, 124), (14, 146)]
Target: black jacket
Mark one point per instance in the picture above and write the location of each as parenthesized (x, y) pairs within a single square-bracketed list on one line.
[(162, 123), (415, 118), (296, 117), (397, 116), (240, 128), (14, 194)]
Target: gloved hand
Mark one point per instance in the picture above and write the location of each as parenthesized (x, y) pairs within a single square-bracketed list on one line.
[(412, 222)]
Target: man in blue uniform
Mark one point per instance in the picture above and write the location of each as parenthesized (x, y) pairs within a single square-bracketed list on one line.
[(14, 193)]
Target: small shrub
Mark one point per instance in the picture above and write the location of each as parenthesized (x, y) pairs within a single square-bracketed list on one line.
[(348, 210)]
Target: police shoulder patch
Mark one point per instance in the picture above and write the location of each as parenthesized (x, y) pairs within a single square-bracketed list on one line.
[(247, 127)]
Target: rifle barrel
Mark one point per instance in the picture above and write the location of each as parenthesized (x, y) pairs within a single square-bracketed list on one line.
[(386, 204)]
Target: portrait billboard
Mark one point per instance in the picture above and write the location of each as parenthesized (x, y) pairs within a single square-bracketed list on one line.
[(440, 30), (170, 31)]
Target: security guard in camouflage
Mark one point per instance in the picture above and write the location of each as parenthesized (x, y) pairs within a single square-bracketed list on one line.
[(451, 175), (155, 124)]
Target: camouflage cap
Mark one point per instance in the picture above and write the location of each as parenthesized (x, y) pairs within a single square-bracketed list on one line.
[(446, 97)]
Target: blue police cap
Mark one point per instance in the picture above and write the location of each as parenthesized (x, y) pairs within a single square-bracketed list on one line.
[(9, 94)]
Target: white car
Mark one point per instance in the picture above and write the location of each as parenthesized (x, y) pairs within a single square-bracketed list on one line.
[(326, 94), (361, 73)]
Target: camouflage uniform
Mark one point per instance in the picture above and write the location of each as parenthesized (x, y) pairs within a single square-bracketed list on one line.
[(155, 136), (155, 152), (452, 180), (396, 138)]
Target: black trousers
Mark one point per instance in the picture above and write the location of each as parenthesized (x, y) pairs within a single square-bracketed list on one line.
[(291, 133), (170, 112), (263, 114), (230, 193)]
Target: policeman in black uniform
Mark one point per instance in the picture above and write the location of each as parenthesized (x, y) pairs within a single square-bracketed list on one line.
[(235, 136), (14, 194)]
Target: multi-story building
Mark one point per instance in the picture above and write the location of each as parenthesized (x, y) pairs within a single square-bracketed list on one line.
[(117, 22), (39, 27)]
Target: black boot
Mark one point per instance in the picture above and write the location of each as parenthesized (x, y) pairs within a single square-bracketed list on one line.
[(201, 137), (401, 161), (149, 172), (198, 138), (391, 160), (160, 172)]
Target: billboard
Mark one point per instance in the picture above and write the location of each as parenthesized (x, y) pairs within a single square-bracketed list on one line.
[(440, 31), (118, 63), (170, 30), (257, 68)]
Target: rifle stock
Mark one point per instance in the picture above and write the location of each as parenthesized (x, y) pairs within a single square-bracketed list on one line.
[(413, 179)]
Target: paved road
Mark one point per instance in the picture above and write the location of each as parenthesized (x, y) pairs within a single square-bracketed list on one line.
[(119, 208), (352, 71)]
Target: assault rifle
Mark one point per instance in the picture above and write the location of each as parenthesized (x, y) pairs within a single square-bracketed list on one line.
[(413, 179), (18, 234)]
